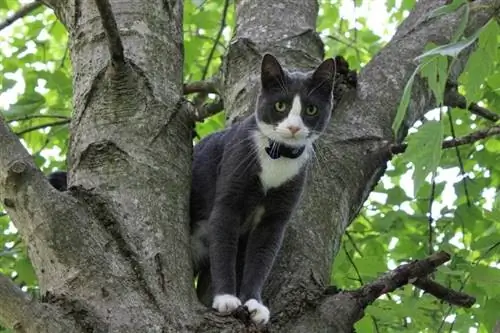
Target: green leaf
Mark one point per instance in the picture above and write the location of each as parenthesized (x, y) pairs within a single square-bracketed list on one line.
[(424, 151), (436, 72), (25, 271), (27, 104), (481, 62), (446, 9), (451, 49), (403, 104)]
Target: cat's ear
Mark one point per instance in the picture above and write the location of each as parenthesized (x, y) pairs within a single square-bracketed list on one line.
[(322, 77), (271, 73)]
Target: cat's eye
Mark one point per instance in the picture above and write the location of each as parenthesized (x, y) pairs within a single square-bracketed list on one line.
[(311, 110), (280, 106)]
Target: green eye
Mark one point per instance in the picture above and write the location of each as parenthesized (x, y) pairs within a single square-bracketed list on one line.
[(311, 110), (280, 106)]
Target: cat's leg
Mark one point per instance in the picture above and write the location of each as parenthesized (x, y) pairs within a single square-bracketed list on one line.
[(262, 248), (224, 232)]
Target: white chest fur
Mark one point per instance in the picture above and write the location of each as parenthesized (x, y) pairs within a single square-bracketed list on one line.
[(276, 172)]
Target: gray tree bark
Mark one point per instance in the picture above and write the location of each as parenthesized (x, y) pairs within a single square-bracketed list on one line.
[(112, 253)]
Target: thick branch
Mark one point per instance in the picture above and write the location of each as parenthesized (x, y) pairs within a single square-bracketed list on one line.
[(343, 309), (22, 314), (23, 11), (464, 140), (453, 98), (112, 33), (16, 170)]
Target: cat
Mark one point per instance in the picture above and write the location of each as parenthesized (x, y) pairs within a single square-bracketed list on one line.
[(248, 179), (246, 182)]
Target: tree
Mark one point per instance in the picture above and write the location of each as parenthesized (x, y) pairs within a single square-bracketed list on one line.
[(112, 253)]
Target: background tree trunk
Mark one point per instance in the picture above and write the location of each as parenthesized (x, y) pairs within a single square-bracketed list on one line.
[(112, 253)]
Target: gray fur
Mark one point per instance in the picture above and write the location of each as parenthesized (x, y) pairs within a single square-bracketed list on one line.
[(238, 222)]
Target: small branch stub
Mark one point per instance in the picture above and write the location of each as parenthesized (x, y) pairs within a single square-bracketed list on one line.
[(17, 167), (110, 27)]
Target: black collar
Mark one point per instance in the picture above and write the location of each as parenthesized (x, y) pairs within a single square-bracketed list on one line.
[(276, 150)]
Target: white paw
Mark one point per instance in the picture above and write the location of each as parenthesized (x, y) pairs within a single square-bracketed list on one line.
[(258, 312), (225, 303)]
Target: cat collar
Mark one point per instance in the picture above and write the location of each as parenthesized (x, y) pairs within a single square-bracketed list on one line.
[(276, 150)]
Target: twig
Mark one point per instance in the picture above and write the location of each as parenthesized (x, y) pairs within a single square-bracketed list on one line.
[(23, 11), (430, 220), (37, 127), (454, 99), (36, 116), (360, 279), (217, 38), (459, 158), (207, 86), (446, 294), (349, 44), (464, 140), (112, 33)]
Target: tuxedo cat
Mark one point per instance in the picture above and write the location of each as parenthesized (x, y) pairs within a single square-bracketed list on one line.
[(247, 181)]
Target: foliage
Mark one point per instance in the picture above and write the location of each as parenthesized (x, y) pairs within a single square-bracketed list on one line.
[(429, 198)]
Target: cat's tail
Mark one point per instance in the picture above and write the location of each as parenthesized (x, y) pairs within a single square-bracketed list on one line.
[(59, 179)]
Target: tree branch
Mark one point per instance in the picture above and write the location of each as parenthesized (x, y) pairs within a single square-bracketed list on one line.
[(21, 313), (23, 11), (37, 116), (37, 127), (454, 99), (112, 33), (464, 140), (446, 294), (217, 38), (207, 110), (203, 86), (342, 310)]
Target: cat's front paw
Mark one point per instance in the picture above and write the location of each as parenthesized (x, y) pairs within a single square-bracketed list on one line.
[(259, 313), (225, 303)]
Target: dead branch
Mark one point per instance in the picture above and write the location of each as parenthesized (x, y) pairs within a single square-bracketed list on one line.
[(446, 294), (460, 141), (23, 11), (454, 99), (115, 44)]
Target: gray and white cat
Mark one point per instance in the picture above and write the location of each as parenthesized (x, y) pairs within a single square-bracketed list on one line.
[(247, 181)]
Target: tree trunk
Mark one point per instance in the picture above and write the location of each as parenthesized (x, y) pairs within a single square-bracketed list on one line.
[(112, 253)]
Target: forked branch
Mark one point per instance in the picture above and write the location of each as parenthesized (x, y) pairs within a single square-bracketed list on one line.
[(350, 305)]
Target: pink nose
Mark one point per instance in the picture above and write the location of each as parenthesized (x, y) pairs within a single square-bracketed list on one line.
[(293, 129)]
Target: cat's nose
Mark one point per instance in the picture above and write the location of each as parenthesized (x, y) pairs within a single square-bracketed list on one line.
[(293, 129)]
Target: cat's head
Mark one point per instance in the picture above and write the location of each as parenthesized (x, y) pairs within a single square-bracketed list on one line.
[(294, 108)]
